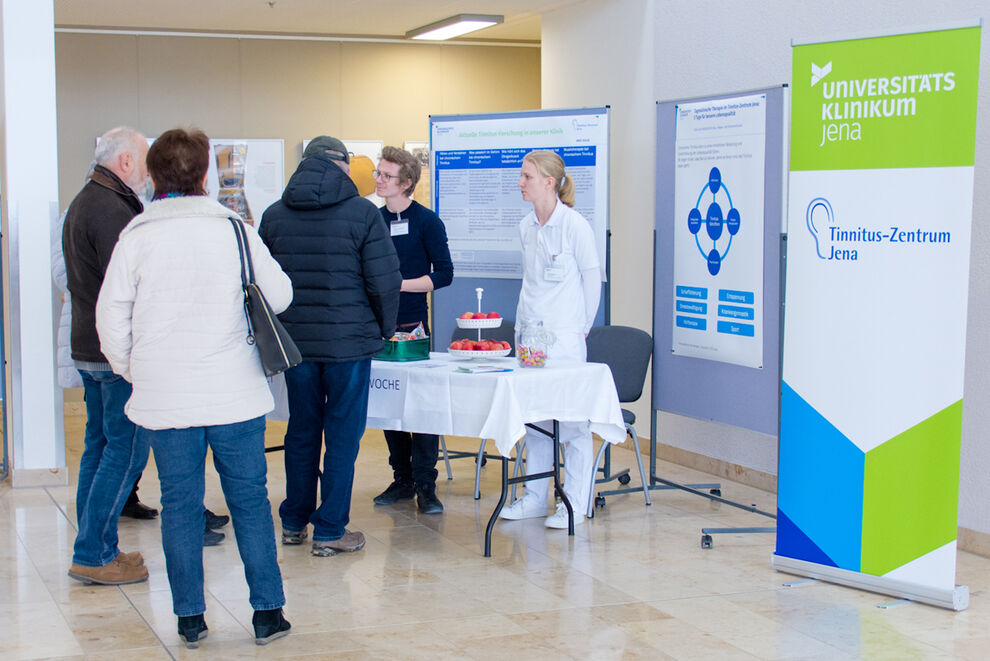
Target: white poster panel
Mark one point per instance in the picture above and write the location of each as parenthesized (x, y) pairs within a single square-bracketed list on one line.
[(247, 176), (421, 150), (373, 150), (477, 161), (720, 148)]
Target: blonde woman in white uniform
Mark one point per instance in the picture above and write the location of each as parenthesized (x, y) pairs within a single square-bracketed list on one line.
[(561, 287)]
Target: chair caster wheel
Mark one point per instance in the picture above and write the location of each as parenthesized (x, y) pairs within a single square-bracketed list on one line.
[(600, 502), (715, 492), (706, 541), (624, 480)]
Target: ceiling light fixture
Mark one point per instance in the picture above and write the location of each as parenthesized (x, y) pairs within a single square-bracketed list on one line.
[(454, 26)]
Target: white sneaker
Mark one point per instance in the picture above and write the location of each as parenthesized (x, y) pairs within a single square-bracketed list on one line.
[(524, 508), (559, 518)]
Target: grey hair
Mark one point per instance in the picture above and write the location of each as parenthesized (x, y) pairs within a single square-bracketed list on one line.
[(117, 141)]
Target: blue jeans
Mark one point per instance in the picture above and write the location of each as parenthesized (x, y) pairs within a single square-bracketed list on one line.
[(239, 457), (328, 401), (112, 459)]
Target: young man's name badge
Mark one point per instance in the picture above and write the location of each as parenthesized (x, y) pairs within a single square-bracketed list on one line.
[(400, 227)]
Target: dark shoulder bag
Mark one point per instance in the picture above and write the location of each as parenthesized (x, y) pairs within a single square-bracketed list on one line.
[(277, 350)]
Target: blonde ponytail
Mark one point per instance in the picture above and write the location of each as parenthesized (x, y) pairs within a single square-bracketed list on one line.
[(565, 190)]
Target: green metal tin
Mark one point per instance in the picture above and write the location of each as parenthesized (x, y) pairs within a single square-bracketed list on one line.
[(405, 350)]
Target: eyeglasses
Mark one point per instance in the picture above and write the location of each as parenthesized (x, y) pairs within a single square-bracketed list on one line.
[(384, 175)]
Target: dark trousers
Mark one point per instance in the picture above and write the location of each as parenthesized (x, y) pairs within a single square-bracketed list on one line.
[(413, 457), (328, 403)]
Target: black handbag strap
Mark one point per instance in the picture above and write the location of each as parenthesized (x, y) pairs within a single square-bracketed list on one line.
[(247, 269), (242, 246)]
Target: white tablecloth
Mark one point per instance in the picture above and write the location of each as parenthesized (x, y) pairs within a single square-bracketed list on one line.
[(438, 397), (435, 397)]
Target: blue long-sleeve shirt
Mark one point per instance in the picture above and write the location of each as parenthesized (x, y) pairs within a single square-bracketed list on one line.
[(422, 251)]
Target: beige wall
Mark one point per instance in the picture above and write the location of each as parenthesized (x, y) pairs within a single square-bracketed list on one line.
[(255, 88), (294, 90)]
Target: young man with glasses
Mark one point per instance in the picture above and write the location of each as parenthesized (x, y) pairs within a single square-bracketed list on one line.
[(424, 260)]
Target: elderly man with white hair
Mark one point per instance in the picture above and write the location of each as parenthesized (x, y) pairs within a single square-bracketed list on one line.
[(113, 456)]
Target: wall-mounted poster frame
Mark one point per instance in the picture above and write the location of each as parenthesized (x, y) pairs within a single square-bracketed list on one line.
[(246, 175), (421, 150)]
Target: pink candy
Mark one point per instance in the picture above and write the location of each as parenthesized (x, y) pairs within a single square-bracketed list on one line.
[(529, 357)]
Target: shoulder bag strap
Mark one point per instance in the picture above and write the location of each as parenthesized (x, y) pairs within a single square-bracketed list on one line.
[(247, 270)]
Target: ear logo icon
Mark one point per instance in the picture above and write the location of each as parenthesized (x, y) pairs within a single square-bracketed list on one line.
[(825, 217)]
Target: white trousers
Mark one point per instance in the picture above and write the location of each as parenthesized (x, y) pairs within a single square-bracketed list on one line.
[(575, 438)]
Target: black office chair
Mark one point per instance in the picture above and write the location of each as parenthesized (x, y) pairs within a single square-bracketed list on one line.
[(627, 353), (504, 333)]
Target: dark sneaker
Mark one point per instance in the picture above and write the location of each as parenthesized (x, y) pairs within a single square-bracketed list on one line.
[(427, 501), (294, 537), (350, 542), (114, 572), (269, 625), (138, 510), (396, 491), (192, 629), (212, 537), (215, 521)]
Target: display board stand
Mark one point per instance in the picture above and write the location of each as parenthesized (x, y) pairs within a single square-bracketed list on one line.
[(730, 296), (475, 163)]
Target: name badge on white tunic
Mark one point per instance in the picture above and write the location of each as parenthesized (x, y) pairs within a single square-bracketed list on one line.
[(400, 227), (553, 273)]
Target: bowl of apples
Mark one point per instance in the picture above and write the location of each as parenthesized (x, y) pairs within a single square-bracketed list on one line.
[(479, 348), (479, 320)]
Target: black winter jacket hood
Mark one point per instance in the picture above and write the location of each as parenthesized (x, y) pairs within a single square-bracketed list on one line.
[(318, 183), (336, 249)]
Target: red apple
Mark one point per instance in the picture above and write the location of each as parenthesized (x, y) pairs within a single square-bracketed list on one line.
[(467, 315), (494, 315), (480, 315)]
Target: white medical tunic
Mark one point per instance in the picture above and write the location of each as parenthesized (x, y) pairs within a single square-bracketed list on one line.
[(561, 278), (561, 287)]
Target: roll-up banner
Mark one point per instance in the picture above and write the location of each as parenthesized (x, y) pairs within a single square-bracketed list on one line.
[(880, 207)]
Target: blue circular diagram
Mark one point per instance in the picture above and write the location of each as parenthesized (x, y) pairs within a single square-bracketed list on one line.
[(715, 222)]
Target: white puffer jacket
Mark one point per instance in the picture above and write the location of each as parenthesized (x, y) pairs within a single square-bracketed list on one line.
[(171, 316)]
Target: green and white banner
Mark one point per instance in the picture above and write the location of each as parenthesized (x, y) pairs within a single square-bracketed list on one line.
[(880, 207)]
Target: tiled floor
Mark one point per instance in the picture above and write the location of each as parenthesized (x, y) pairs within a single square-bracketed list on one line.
[(633, 583)]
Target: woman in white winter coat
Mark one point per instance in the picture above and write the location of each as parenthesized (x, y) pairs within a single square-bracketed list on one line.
[(171, 321), (561, 288)]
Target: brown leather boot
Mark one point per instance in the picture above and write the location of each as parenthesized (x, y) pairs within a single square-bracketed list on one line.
[(132, 559), (114, 572)]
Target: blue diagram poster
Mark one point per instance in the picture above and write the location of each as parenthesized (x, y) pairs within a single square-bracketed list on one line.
[(720, 149)]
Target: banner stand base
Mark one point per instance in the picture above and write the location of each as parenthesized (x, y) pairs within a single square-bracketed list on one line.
[(956, 599)]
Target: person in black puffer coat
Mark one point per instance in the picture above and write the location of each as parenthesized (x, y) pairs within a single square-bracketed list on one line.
[(345, 276)]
